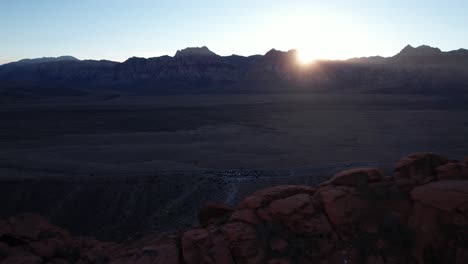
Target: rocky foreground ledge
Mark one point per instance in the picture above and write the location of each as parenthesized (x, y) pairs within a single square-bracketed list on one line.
[(417, 215)]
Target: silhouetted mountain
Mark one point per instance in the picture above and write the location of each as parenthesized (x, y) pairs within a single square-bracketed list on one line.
[(426, 55), (67, 72), (195, 51), (423, 50), (459, 52), (45, 59), (422, 69), (368, 60)]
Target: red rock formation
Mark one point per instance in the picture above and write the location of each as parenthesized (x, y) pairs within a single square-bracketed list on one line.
[(213, 213), (418, 168), (355, 177), (450, 171), (420, 215)]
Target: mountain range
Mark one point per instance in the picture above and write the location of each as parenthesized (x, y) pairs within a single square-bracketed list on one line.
[(422, 69)]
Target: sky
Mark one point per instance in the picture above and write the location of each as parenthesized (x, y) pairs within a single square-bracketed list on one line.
[(119, 29)]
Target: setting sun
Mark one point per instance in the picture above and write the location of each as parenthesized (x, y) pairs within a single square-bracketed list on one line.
[(306, 57)]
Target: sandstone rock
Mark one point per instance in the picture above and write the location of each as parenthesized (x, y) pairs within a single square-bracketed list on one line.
[(246, 216), (354, 212), (450, 171), (264, 214), (206, 246), (418, 168), (163, 253), (265, 196), (451, 196), (356, 177), (195, 246), (219, 250), (336, 203), (357, 217), (439, 220), (286, 206), (244, 244), (214, 214), (158, 249)]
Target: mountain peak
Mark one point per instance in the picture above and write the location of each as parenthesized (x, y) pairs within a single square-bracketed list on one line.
[(273, 52), (423, 50), (195, 51)]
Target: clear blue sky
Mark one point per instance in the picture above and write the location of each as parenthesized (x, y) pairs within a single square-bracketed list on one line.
[(118, 29)]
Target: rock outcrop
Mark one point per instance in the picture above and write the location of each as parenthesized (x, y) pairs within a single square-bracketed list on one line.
[(417, 215)]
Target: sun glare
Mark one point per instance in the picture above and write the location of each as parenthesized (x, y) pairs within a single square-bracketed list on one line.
[(306, 57)]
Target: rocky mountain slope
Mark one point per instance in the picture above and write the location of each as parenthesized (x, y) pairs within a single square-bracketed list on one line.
[(417, 215), (414, 70)]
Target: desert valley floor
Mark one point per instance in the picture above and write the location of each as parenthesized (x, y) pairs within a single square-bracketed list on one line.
[(114, 159)]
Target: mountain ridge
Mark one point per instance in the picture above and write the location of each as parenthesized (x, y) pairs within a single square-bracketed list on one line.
[(46, 59), (422, 69), (408, 50)]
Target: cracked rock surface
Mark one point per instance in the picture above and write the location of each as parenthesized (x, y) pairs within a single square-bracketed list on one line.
[(417, 215)]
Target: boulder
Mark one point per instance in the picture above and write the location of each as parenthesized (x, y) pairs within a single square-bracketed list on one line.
[(344, 207), (195, 246), (354, 212), (286, 206), (153, 248), (440, 220), (417, 168), (219, 251), (450, 171), (450, 196), (245, 245), (245, 215), (356, 177), (265, 196), (214, 214)]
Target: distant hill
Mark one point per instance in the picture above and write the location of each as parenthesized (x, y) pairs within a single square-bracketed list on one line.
[(422, 69), (43, 60)]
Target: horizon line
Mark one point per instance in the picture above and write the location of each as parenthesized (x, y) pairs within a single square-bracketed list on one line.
[(4, 62)]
